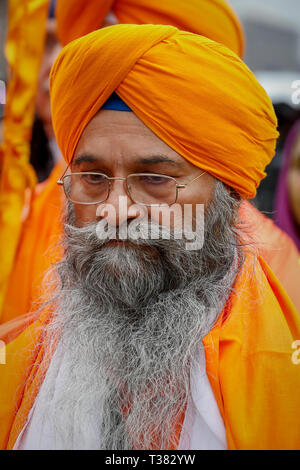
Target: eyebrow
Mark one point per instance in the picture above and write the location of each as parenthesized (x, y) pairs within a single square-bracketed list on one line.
[(85, 159), (152, 159), (158, 159)]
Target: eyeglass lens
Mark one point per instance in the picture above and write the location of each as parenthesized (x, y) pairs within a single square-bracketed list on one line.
[(143, 188)]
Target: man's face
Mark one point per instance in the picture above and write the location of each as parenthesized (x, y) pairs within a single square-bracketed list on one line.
[(117, 144)]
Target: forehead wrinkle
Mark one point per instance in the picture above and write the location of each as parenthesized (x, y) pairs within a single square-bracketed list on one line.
[(154, 158), (159, 159)]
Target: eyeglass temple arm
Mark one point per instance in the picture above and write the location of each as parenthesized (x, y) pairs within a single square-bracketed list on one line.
[(60, 180), (184, 185)]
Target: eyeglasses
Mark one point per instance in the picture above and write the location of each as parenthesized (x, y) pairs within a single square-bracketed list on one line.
[(147, 189)]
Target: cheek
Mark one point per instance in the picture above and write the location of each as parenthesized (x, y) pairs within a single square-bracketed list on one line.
[(203, 192), (189, 208), (84, 214)]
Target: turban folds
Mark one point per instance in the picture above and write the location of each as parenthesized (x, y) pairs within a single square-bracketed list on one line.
[(214, 19), (193, 93)]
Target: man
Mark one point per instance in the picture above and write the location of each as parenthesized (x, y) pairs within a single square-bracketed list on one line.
[(144, 343)]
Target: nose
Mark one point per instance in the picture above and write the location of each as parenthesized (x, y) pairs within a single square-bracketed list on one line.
[(119, 207)]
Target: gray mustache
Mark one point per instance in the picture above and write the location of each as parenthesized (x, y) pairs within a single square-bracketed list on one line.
[(138, 233)]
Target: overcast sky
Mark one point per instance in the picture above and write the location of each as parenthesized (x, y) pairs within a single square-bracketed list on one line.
[(286, 10)]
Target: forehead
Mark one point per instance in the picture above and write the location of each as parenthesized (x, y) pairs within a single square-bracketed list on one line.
[(124, 133)]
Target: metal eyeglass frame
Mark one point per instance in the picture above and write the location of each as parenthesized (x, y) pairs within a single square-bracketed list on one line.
[(110, 178)]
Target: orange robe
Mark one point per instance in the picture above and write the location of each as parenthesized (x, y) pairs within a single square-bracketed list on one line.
[(249, 363)]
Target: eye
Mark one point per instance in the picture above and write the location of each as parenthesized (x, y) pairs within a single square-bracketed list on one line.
[(153, 179), (93, 178)]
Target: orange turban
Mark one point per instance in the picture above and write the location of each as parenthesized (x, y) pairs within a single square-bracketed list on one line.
[(194, 94), (214, 19)]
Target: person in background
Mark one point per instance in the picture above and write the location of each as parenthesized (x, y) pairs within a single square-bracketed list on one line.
[(265, 199), (287, 202), (44, 152)]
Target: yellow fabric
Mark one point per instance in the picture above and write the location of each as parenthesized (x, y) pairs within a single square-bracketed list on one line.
[(24, 49), (214, 19), (248, 363)]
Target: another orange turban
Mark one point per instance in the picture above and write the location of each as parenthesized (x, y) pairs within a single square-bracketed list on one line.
[(194, 94), (214, 19)]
